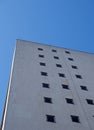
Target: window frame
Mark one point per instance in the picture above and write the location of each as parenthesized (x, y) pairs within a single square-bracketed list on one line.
[(75, 119), (56, 57), (90, 101), (59, 65), (44, 73), (53, 50), (45, 85), (69, 100), (67, 52), (40, 49), (41, 56), (83, 88), (74, 67), (42, 64), (78, 76), (65, 86), (50, 118), (48, 100), (62, 75), (71, 59)]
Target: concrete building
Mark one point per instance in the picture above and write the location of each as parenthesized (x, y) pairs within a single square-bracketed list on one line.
[(50, 88)]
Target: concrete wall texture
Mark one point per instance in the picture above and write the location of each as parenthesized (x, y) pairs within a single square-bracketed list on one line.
[(50, 88)]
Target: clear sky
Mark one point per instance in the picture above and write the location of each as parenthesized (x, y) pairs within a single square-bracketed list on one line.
[(64, 23)]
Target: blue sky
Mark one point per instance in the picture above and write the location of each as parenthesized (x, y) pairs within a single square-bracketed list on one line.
[(65, 23)]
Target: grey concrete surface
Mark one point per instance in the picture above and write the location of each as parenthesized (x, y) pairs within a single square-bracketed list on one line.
[(26, 109)]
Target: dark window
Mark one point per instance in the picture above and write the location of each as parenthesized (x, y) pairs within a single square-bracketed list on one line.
[(54, 50), (56, 57), (44, 73), (50, 118), (65, 86), (71, 59), (45, 85), (67, 52), (42, 64), (74, 67), (90, 101), (42, 56), (70, 101), (75, 119), (84, 88), (61, 75), (78, 76), (58, 65), (47, 100), (40, 49)]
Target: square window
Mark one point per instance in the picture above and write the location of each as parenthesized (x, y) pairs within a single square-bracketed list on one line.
[(50, 118), (74, 67), (75, 118), (65, 86), (47, 100), (78, 76), (71, 59), (42, 64), (44, 73), (53, 50), (42, 56), (67, 52), (40, 49), (45, 85), (90, 101), (58, 65), (84, 88), (70, 101), (61, 75), (56, 57)]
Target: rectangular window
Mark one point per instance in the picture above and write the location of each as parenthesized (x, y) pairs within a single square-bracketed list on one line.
[(42, 64), (42, 56), (40, 49), (44, 73), (84, 88), (69, 100), (56, 57), (45, 85), (75, 119), (53, 50), (64, 86), (58, 65), (47, 100), (67, 52), (78, 76), (74, 67), (90, 101), (71, 59), (61, 75), (50, 118)]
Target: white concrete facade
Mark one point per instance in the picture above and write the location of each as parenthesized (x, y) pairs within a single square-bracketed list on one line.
[(64, 103)]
